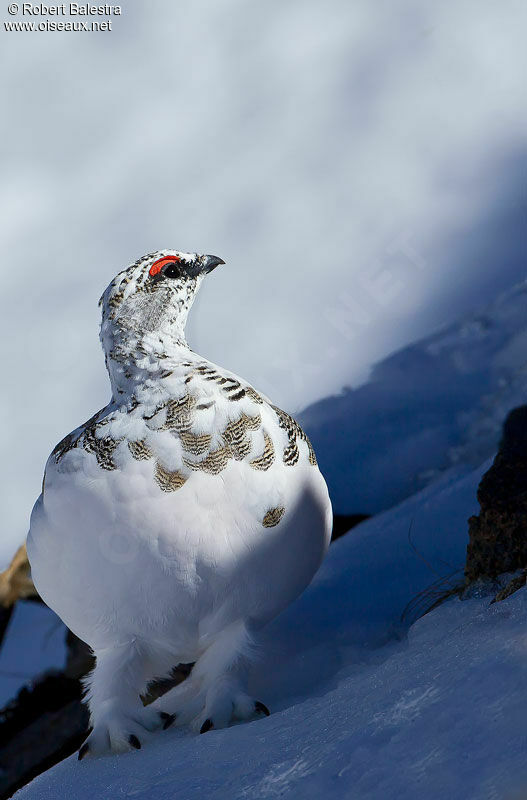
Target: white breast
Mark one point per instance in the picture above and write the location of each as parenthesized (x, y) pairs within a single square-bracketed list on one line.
[(129, 551)]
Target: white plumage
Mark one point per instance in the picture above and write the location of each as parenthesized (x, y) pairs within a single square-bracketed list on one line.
[(176, 522)]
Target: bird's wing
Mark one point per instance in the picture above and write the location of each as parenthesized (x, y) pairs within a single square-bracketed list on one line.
[(204, 418)]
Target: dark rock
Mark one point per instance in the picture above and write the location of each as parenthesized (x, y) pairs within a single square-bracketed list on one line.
[(5, 616), (47, 720), (159, 687), (518, 582), (342, 523), (498, 534), (80, 659), (44, 723)]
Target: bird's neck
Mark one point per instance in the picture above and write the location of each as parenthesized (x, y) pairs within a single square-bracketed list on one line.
[(135, 360)]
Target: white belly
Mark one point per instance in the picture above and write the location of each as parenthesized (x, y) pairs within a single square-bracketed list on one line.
[(116, 557)]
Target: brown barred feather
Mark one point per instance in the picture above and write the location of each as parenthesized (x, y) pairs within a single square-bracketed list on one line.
[(179, 414), (197, 444), (103, 448), (294, 432), (168, 481), (64, 446), (264, 461), (140, 451), (238, 396), (214, 463), (72, 440), (273, 517), (235, 435), (291, 453), (312, 457), (253, 394)]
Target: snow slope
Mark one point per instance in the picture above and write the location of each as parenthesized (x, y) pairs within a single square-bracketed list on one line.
[(362, 707), (434, 404)]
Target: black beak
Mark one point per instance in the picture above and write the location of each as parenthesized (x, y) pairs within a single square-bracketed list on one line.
[(208, 263)]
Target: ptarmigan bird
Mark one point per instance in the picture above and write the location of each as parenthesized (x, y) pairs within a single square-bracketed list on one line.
[(177, 521)]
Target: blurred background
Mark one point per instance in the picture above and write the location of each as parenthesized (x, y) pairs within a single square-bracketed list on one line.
[(359, 166)]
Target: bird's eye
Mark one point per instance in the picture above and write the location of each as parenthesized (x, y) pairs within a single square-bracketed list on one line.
[(172, 270), (165, 263)]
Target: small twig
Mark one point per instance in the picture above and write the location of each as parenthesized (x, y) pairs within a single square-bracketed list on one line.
[(416, 551), (432, 592)]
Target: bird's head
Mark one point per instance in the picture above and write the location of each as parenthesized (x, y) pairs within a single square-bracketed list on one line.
[(147, 304), (157, 289)]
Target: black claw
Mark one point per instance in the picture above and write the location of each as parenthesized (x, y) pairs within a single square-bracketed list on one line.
[(168, 719), (207, 725), (262, 709), (134, 741), (83, 751)]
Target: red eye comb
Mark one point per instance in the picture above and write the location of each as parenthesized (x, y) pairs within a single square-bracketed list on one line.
[(158, 265)]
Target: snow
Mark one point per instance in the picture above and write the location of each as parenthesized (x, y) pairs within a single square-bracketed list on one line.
[(438, 403), (359, 166), (363, 706)]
